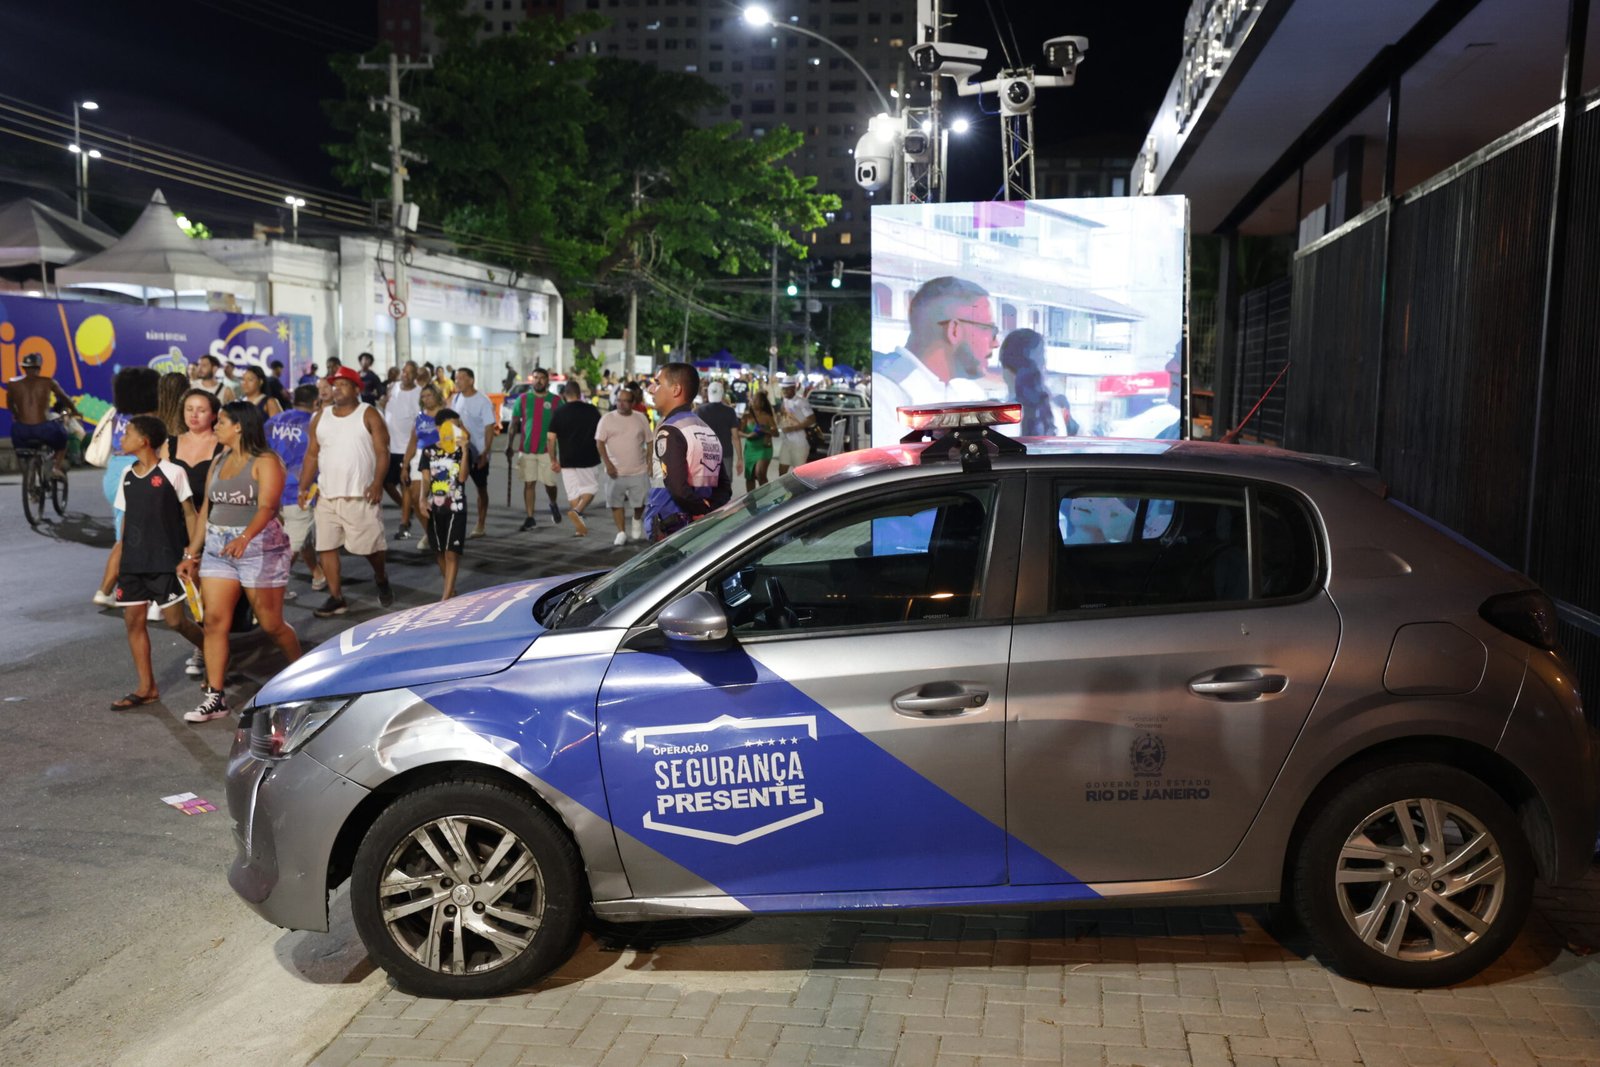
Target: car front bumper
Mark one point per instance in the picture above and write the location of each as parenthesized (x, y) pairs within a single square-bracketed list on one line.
[(286, 816)]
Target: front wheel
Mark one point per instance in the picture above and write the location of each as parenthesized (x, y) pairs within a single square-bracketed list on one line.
[(1414, 875), (58, 493), (466, 889)]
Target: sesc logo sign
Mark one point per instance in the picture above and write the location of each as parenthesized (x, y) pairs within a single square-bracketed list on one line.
[(729, 780)]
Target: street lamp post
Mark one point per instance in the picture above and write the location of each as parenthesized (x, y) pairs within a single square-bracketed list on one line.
[(295, 204), (81, 164), (758, 16)]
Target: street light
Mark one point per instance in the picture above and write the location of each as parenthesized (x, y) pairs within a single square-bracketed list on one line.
[(759, 17), (295, 204), (81, 164)]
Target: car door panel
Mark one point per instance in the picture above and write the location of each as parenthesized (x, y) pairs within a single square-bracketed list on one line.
[(1142, 744)]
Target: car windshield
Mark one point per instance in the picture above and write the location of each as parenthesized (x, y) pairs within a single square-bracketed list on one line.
[(589, 602)]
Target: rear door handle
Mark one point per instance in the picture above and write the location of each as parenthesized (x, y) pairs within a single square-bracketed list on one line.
[(941, 698), (1238, 684)]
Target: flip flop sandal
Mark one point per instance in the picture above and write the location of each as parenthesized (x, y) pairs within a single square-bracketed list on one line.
[(133, 700)]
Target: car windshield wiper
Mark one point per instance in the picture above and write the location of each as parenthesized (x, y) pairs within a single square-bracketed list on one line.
[(564, 604)]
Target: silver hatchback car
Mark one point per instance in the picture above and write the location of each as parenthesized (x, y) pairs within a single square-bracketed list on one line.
[(966, 673)]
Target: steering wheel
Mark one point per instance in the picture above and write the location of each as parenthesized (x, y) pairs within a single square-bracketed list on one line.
[(778, 615)]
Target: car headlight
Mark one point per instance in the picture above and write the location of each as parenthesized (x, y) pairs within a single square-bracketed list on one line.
[(278, 729)]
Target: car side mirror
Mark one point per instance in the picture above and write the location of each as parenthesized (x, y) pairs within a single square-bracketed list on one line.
[(695, 619)]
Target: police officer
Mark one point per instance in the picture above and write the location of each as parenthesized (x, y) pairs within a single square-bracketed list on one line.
[(689, 478)]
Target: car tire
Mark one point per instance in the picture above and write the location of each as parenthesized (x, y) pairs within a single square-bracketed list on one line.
[(1426, 900), (466, 889)]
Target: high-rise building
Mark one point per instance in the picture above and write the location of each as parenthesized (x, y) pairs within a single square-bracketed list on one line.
[(770, 75)]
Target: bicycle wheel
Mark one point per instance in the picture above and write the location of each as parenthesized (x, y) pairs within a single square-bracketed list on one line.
[(32, 491), (58, 493)]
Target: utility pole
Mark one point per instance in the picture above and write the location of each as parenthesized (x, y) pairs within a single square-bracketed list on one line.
[(805, 347), (772, 333), (400, 217), (630, 351)]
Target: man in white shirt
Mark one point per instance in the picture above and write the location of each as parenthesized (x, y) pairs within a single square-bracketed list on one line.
[(401, 404), (795, 417), (952, 334), (623, 438), (477, 415)]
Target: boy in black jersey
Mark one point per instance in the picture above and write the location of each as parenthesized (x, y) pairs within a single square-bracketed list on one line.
[(158, 515)]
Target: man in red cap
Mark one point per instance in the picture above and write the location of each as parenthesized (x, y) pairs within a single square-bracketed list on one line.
[(346, 462)]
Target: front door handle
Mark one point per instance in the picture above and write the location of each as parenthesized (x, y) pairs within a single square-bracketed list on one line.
[(1237, 684), (941, 698)]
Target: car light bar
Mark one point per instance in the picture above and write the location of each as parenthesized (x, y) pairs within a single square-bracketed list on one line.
[(960, 413)]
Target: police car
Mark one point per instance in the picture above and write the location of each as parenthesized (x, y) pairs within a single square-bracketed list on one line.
[(965, 671)]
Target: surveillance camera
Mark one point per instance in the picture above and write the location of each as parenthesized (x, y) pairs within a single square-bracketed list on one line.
[(874, 161), (916, 146), (935, 57), (1016, 96), (1065, 53)]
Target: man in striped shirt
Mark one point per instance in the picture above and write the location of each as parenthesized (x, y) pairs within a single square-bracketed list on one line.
[(530, 429)]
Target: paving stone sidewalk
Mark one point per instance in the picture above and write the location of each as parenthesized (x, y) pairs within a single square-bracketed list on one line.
[(1157, 987)]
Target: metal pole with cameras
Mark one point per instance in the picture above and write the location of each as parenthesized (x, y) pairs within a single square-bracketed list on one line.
[(1018, 90)]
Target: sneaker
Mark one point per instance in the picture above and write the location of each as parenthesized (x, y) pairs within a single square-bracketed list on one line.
[(403, 534), (555, 512), (105, 600), (476, 533), (527, 524), (621, 538), (195, 665), (422, 545), (213, 705), (638, 529), (334, 605), (290, 594), (319, 582), (385, 594)]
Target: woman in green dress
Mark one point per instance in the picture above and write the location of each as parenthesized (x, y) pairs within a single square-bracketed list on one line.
[(757, 426)]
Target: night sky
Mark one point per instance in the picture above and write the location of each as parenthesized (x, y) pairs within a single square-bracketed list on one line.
[(240, 81)]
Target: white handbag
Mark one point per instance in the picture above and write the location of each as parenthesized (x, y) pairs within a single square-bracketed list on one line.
[(98, 453)]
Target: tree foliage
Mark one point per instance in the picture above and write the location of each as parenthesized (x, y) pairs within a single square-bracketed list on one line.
[(591, 171)]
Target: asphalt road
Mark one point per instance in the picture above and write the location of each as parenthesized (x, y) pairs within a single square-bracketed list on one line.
[(120, 940)]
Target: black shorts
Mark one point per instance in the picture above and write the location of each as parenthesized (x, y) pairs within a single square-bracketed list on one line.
[(447, 530), (391, 477), (135, 589), (480, 475)]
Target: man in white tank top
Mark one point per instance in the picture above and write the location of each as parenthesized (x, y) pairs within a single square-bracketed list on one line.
[(345, 463)]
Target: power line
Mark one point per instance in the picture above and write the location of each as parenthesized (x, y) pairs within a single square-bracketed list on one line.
[(292, 24)]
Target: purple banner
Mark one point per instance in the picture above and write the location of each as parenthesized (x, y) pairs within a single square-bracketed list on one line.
[(84, 345)]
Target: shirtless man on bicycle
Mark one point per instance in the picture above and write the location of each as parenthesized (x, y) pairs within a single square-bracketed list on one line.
[(31, 399)]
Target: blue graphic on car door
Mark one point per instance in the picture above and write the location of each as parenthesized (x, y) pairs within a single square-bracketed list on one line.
[(713, 761)]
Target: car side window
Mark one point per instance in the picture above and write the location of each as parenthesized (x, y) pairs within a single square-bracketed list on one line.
[(1122, 547), (915, 559), (1129, 547)]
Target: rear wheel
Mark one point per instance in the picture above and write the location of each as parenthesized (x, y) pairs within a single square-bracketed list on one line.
[(32, 490), (466, 889), (1414, 875)]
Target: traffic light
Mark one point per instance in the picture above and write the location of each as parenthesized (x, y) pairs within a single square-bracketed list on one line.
[(793, 289), (838, 273)]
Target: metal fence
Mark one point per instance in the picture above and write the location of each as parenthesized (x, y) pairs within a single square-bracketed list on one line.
[(1416, 345), (1263, 350)]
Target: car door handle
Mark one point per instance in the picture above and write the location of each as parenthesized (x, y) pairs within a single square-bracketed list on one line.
[(941, 698), (1237, 684)]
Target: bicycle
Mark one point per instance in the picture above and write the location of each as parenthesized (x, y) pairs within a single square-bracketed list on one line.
[(39, 481)]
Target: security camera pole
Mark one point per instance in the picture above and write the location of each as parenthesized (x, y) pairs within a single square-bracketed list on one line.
[(402, 217)]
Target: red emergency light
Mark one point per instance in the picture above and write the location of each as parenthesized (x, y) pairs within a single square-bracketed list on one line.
[(960, 413)]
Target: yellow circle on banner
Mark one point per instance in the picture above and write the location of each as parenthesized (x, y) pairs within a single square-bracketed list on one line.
[(96, 338)]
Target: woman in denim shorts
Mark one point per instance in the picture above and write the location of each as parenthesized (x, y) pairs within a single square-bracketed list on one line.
[(245, 547)]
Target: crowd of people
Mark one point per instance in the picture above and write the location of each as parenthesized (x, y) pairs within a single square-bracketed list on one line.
[(219, 479)]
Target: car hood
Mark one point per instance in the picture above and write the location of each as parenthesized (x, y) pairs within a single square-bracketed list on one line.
[(471, 635)]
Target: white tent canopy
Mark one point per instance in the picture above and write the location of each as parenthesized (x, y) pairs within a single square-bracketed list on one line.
[(155, 257), (34, 233)]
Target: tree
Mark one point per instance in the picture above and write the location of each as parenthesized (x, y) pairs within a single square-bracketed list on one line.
[(590, 171)]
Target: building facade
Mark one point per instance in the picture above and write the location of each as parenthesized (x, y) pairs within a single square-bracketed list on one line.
[(769, 76)]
